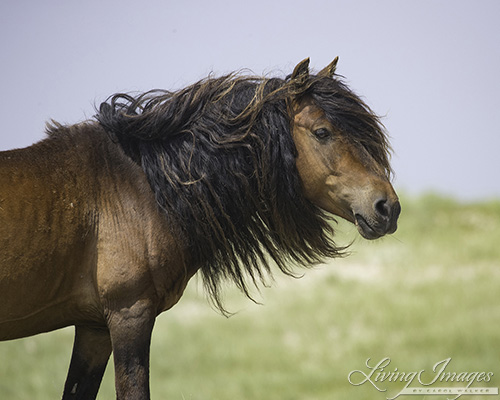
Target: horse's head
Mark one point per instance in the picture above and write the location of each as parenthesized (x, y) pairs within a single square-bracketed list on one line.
[(342, 153)]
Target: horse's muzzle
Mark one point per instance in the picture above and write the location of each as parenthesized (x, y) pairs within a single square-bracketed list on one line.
[(382, 221)]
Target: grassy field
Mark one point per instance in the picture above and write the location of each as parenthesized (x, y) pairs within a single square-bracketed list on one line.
[(428, 293)]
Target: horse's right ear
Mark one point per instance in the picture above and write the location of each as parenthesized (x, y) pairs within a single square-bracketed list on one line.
[(329, 70), (300, 72)]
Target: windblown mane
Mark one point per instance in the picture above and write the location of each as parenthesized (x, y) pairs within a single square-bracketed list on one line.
[(220, 158)]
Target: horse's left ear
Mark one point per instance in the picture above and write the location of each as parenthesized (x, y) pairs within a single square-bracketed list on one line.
[(329, 70), (301, 72)]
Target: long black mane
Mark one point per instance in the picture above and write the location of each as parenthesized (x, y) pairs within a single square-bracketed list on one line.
[(220, 158)]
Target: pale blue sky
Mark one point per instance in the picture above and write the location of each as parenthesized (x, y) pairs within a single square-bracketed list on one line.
[(432, 68)]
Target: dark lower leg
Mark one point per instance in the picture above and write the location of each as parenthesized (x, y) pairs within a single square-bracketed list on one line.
[(91, 352)]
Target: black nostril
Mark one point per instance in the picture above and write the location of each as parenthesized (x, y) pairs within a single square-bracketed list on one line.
[(383, 208)]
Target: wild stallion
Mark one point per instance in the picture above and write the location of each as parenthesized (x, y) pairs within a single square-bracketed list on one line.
[(103, 223)]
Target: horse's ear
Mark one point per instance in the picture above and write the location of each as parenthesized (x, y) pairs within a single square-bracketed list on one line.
[(300, 72), (329, 70)]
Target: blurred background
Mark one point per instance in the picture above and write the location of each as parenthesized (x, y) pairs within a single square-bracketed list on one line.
[(429, 292)]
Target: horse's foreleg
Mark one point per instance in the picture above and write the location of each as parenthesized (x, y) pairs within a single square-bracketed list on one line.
[(131, 330), (90, 355)]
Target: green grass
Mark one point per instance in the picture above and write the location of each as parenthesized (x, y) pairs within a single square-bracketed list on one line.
[(427, 293)]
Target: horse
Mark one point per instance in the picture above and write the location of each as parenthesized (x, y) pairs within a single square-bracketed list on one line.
[(104, 222)]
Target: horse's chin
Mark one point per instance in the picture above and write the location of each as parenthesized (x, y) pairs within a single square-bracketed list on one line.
[(365, 229)]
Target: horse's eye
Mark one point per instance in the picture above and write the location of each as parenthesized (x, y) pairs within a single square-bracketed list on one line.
[(322, 133)]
